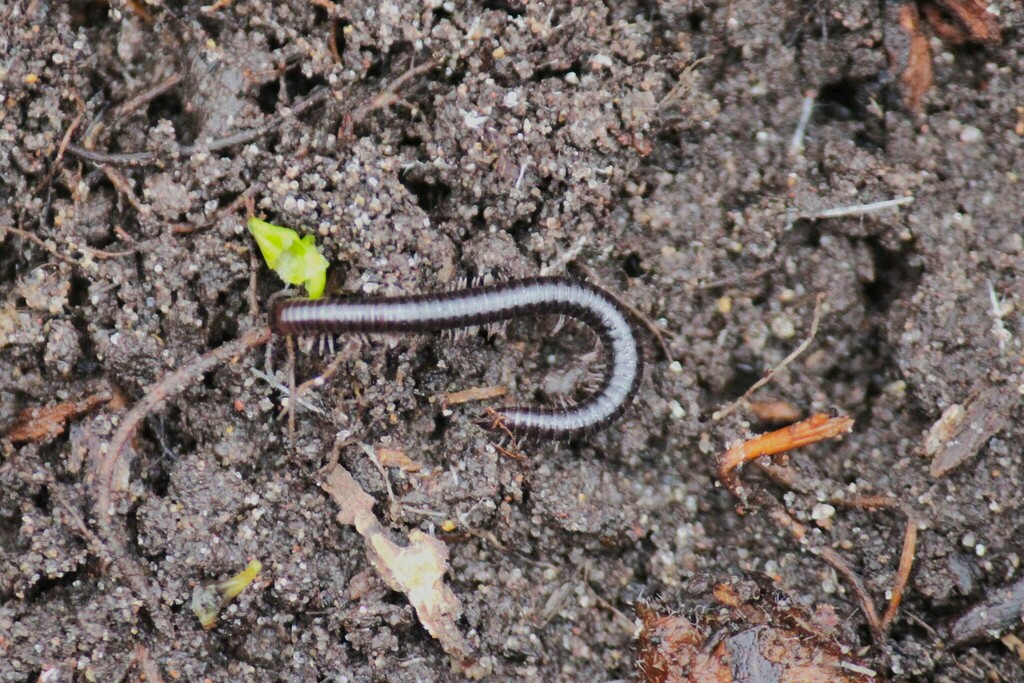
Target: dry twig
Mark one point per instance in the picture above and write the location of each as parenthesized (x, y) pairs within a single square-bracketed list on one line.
[(143, 98), (25, 234), (815, 428), (474, 394), (170, 385), (902, 572), (241, 138)]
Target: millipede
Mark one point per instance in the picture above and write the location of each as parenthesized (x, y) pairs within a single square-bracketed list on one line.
[(494, 303)]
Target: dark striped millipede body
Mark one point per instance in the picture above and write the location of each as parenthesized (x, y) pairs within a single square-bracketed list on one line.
[(493, 303)]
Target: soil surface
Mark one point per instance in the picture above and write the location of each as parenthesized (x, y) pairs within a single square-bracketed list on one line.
[(648, 147)]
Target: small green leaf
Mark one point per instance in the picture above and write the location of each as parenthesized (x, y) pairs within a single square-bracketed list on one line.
[(295, 259)]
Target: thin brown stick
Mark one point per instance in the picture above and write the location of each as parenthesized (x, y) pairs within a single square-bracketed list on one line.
[(145, 97), (794, 480), (867, 605), (140, 11), (25, 234), (170, 385), (387, 96), (292, 398), (741, 279), (786, 477), (656, 332), (112, 550), (241, 138), (187, 229), (254, 269), (835, 560), (474, 394), (866, 502), (320, 379), (902, 573), (723, 412), (64, 142), (216, 6), (790, 479), (122, 185), (371, 454), (333, 42)]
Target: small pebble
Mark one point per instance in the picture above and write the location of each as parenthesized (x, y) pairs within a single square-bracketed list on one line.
[(782, 327), (969, 135)]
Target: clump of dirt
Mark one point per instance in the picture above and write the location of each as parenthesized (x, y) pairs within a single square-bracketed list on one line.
[(715, 166)]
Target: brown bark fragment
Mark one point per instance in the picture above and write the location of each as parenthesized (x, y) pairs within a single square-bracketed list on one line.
[(42, 424), (963, 429)]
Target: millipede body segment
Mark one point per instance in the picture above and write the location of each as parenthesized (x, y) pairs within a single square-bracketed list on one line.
[(489, 304)]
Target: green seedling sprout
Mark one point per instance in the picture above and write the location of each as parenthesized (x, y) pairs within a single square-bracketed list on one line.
[(209, 598), (295, 259)]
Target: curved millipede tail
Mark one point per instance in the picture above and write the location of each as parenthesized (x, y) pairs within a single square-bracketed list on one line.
[(486, 304)]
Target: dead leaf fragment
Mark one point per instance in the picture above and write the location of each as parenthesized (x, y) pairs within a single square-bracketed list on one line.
[(749, 641), (971, 21), (356, 505), (416, 569)]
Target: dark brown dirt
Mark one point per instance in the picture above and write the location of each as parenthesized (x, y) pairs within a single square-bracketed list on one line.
[(643, 145)]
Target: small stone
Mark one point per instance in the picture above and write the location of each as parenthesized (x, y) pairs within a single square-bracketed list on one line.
[(676, 411), (782, 327), (822, 511), (970, 135)]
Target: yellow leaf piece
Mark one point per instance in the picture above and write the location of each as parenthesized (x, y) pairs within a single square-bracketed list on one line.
[(295, 259), (230, 588), (210, 598)]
